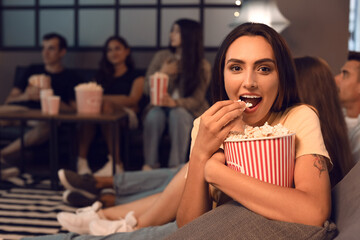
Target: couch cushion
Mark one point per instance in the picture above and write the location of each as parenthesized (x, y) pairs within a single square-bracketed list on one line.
[(233, 221), (346, 205)]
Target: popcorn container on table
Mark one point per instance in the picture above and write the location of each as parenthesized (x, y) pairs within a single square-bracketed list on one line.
[(88, 101), (269, 159), (158, 87)]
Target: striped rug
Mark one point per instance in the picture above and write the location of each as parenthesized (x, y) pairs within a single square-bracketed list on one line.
[(30, 210)]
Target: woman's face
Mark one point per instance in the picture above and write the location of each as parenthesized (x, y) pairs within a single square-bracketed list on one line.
[(116, 52), (175, 36), (250, 74)]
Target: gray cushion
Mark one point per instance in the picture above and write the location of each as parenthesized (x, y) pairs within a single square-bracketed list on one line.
[(233, 221), (346, 205)]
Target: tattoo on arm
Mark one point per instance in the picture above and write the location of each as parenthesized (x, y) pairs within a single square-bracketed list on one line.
[(320, 163)]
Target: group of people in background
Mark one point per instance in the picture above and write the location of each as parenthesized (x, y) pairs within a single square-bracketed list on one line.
[(253, 60), (124, 87)]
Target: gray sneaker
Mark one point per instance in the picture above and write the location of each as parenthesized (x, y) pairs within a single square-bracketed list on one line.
[(8, 171), (85, 184)]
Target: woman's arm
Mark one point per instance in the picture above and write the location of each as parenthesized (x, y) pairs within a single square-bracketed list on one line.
[(130, 100), (308, 203), (215, 125), (155, 66)]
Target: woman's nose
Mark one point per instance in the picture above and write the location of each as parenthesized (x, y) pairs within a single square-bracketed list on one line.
[(250, 81)]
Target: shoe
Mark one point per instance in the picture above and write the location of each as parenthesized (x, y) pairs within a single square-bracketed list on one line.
[(100, 227), (79, 221), (8, 171), (106, 170), (83, 166), (77, 199), (107, 197), (85, 184)]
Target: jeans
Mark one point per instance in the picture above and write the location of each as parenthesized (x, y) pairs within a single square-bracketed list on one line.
[(130, 186), (149, 233), (179, 122)]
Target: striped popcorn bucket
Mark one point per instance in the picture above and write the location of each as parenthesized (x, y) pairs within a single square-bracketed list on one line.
[(158, 87), (269, 159)]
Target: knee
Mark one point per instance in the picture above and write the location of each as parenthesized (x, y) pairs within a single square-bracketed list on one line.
[(155, 116), (180, 117)]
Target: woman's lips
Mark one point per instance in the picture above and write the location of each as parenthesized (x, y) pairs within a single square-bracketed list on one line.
[(252, 100)]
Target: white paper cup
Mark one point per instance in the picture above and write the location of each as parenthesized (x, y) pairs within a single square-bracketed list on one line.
[(88, 101), (158, 87), (53, 104), (269, 159), (44, 93)]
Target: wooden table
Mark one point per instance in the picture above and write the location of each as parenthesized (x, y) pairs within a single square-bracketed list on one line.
[(117, 121)]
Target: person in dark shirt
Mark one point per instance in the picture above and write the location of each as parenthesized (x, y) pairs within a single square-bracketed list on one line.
[(123, 90), (27, 95)]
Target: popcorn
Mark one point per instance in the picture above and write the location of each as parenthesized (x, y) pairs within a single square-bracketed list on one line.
[(259, 132), (88, 86), (247, 104)]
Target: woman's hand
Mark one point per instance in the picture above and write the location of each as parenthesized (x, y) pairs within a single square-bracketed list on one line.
[(167, 101), (215, 125), (170, 66)]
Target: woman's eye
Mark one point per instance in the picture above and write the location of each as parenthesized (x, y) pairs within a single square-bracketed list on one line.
[(264, 69), (235, 68)]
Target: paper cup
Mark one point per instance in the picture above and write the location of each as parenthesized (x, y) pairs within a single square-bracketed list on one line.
[(158, 87), (53, 104), (268, 159), (88, 101), (44, 93)]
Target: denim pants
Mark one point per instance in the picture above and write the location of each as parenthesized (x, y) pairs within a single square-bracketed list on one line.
[(179, 122), (131, 186)]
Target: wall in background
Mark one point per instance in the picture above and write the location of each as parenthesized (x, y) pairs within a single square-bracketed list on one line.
[(318, 28)]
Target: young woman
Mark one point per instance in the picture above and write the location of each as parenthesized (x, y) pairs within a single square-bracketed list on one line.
[(189, 77), (254, 65), (123, 89), (313, 77)]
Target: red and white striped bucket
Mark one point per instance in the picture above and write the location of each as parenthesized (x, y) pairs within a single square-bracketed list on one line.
[(158, 87), (269, 159)]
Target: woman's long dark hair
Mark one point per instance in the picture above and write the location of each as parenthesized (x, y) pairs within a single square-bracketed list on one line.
[(317, 87), (287, 95), (192, 55), (106, 69)]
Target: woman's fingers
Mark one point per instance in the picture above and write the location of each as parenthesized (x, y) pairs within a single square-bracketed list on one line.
[(222, 113)]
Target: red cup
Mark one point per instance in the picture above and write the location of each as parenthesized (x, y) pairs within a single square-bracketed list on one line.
[(158, 87), (269, 159)]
